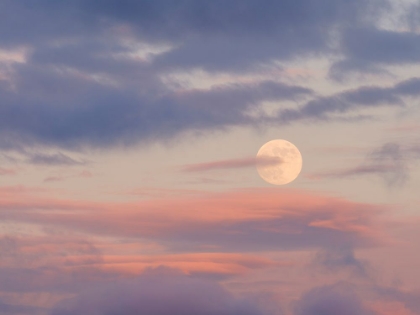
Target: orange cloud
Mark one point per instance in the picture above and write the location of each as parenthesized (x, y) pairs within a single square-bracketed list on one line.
[(211, 263)]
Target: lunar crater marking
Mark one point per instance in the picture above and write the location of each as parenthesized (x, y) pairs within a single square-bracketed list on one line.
[(279, 162)]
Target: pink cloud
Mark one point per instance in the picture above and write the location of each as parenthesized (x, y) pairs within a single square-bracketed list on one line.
[(86, 174), (213, 235), (53, 179), (7, 171), (250, 218), (232, 163)]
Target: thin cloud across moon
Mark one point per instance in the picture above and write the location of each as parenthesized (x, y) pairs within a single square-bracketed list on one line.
[(279, 162)]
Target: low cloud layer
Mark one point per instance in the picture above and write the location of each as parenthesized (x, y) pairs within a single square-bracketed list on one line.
[(331, 300), (159, 292), (87, 249)]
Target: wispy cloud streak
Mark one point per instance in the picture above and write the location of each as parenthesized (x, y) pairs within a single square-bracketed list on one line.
[(7, 171), (233, 163), (391, 161)]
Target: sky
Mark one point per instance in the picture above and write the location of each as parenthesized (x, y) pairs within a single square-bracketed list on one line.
[(128, 136)]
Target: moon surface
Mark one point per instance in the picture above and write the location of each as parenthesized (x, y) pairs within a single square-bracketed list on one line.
[(279, 162)]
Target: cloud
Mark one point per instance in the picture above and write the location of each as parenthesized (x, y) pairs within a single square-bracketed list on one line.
[(359, 170), (53, 159), (391, 162), (53, 179), (411, 300), (223, 164), (213, 36), (158, 292), (209, 264), (112, 117), (84, 246), (393, 154), (7, 308), (394, 173), (86, 58), (60, 263), (331, 300), (232, 163), (54, 264), (322, 108), (240, 221), (102, 117), (179, 20), (342, 257), (368, 49), (7, 171)]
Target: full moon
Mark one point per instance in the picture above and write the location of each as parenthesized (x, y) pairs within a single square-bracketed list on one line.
[(279, 162)]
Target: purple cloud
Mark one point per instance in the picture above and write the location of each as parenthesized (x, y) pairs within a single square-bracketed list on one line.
[(331, 300), (158, 292)]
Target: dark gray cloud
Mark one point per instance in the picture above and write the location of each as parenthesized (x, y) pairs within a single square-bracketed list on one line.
[(331, 300), (349, 101), (263, 29), (341, 258), (188, 16), (392, 154), (25, 23), (231, 163), (367, 49), (116, 116), (217, 35), (53, 159), (158, 292), (391, 161), (393, 174), (76, 87), (103, 117)]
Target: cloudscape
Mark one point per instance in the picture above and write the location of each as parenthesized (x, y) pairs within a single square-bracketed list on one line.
[(129, 176)]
